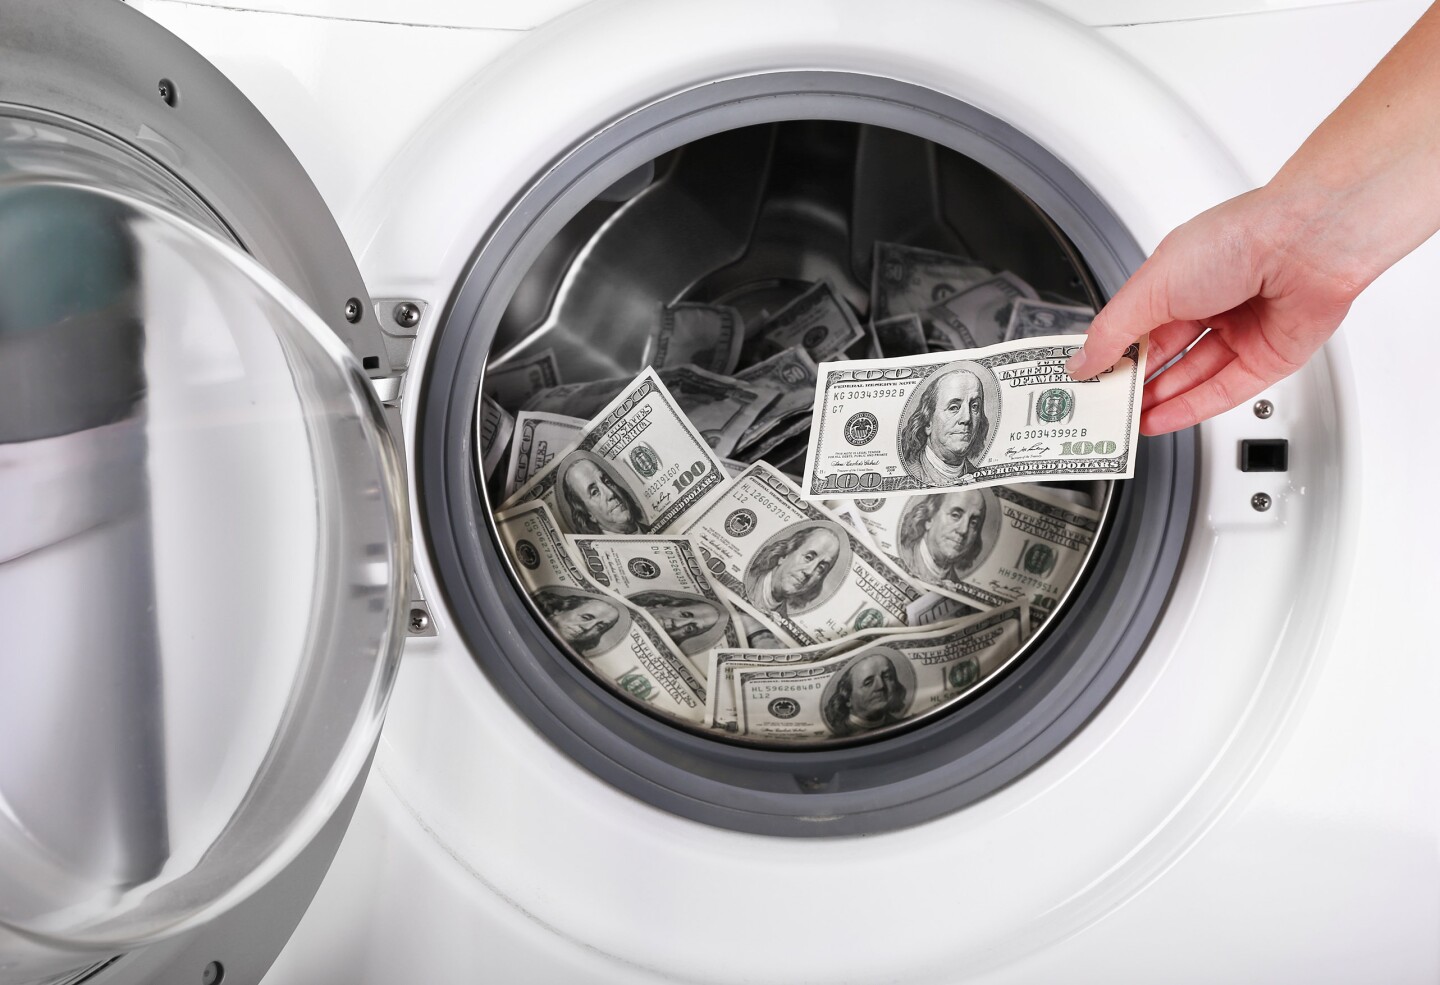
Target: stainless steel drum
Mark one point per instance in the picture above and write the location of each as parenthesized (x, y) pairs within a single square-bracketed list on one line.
[(740, 191), (752, 217)]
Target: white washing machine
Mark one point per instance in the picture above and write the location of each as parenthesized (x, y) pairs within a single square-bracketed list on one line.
[(1215, 765)]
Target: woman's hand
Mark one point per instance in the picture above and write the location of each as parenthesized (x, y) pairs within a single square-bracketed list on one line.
[(1271, 274), (1270, 286)]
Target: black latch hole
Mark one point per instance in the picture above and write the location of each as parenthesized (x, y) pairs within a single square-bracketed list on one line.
[(1264, 455)]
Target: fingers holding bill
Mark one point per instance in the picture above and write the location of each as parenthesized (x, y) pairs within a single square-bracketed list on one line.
[(1204, 359), (1211, 386), (1136, 309), (1170, 340)]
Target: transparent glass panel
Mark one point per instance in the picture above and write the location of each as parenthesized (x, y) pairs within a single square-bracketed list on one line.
[(203, 550)]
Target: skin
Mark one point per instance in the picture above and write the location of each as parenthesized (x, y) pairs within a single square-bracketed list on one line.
[(955, 524), (586, 622), (684, 622), (872, 682), (811, 560), (952, 431), (1257, 284), (592, 486)]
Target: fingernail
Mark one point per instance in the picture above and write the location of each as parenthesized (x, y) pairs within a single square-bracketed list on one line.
[(1076, 364)]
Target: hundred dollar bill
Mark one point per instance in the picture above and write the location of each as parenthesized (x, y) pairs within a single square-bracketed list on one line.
[(707, 336), (638, 467), (758, 636), (493, 427), (722, 712), (984, 546), (1090, 495), (582, 400), (791, 374), (932, 609), (879, 684), (977, 316), (962, 420), (664, 576), (909, 280), (791, 430), (617, 641), (514, 382), (789, 458), (538, 438), (800, 569), (868, 347), (900, 335), (1031, 319), (819, 320), (720, 407)]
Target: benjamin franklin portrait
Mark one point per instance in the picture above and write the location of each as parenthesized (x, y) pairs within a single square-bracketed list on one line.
[(945, 536), (693, 622), (872, 691), (947, 429), (590, 624), (798, 568), (592, 500)]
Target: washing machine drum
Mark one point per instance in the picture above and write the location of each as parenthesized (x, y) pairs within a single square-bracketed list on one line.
[(204, 547), (746, 199)]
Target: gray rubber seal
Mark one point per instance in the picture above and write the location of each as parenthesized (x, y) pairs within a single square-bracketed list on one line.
[(885, 785)]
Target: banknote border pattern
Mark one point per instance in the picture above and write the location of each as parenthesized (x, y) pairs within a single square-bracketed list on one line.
[(991, 474)]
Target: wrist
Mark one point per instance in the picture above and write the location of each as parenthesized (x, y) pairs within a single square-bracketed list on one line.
[(1320, 230)]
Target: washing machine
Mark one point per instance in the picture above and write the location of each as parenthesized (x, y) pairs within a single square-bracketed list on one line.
[(261, 258)]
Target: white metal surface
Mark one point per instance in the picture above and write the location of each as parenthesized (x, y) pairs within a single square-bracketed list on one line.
[(1256, 803), (509, 15)]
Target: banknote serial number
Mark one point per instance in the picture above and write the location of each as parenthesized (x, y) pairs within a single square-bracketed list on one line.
[(839, 408), (1030, 434)]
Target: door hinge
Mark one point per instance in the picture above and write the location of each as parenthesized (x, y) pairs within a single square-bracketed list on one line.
[(400, 321), (419, 622)]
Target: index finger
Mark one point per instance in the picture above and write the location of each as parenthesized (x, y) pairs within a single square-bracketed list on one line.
[(1135, 310)]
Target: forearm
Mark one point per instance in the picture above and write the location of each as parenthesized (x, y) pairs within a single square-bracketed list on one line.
[(1364, 189), (1248, 290)]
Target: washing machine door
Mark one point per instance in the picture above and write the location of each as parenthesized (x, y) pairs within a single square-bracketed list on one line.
[(203, 532)]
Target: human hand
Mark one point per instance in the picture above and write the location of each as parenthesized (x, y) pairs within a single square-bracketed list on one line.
[(1263, 274)]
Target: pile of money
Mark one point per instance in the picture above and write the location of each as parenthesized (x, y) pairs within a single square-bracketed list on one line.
[(822, 524)]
